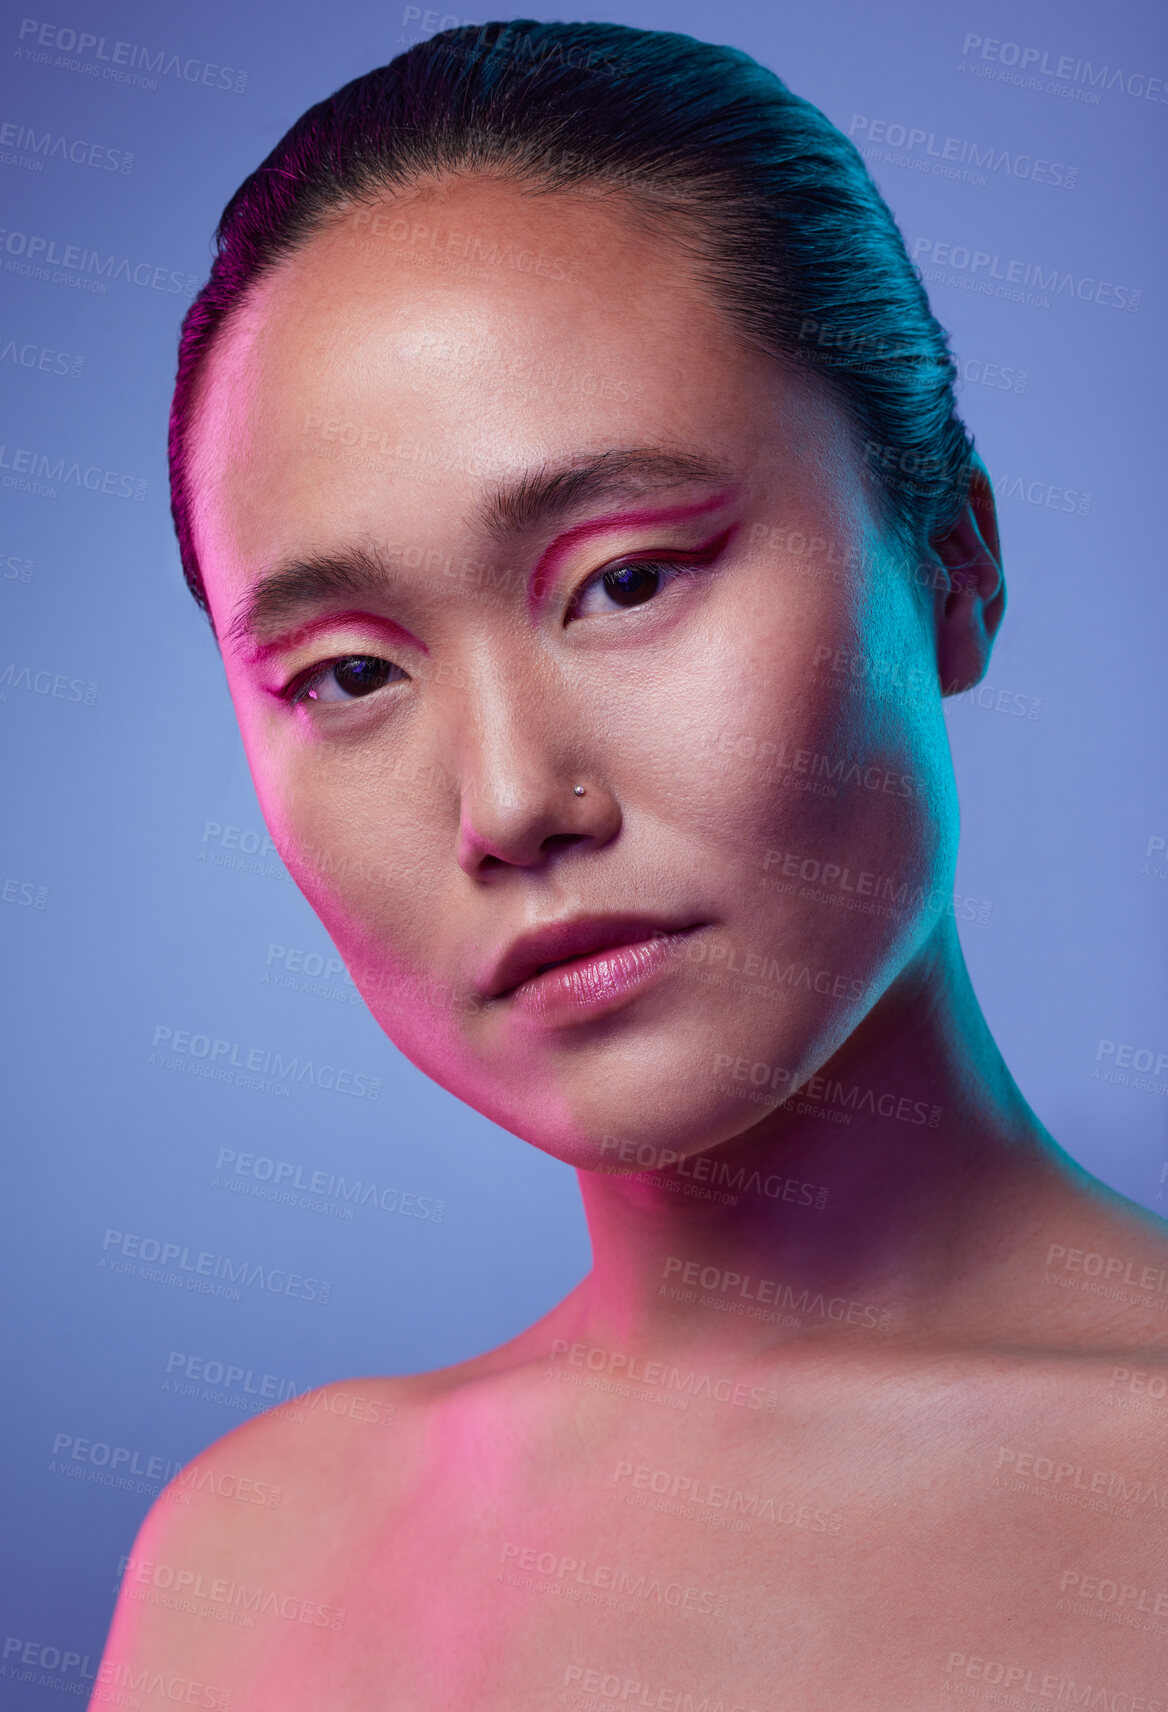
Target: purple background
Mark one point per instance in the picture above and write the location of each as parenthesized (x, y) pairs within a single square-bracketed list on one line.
[(123, 914)]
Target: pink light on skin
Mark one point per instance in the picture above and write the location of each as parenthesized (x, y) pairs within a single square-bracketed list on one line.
[(556, 551), (303, 633)]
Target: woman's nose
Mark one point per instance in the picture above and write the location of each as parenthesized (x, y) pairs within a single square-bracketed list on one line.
[(521, 816), (520, 738), (525, 792)]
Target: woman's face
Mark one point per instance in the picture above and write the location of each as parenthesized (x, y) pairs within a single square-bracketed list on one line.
[(538, 518)]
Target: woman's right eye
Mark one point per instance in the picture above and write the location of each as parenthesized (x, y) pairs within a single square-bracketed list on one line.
[(346, 679)]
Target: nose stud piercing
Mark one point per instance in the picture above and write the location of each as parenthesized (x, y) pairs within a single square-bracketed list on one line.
[(579, 790)]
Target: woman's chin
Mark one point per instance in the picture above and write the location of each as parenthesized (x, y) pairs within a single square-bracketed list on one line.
[(613, 1129)]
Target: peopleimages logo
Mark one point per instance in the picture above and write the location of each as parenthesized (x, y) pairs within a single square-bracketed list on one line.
[(208, 1273), (278, 1179), (36, 147), (119, 61), (117, 1458), (30, 254), (1016, 277), (46, 683), (1029, 63), (228, 1061), (1115, 1060), (229, 1596), (952, 153), (30, 471), (45, 359), (198, 1370)]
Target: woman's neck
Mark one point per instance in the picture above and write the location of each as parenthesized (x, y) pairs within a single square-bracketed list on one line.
[(905, 1217)]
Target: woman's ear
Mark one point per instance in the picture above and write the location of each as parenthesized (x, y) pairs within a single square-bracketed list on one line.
[(971, 598)]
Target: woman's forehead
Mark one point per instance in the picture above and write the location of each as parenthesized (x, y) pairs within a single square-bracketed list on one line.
[(402, 291), (375, 376)]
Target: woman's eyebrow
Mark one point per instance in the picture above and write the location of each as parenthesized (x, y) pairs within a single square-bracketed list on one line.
[(504, 513), (347, 576), (551, 492)]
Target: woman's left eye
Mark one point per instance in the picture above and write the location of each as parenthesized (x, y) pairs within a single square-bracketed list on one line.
[(623, 586)]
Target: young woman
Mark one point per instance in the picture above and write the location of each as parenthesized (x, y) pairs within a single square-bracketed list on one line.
[(565, 455)]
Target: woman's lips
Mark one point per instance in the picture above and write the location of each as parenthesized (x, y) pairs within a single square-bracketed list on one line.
[(599, 981)]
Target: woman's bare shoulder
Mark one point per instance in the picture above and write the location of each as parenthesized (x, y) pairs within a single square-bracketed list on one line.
[(256, 1532), (269, 1520), (1098, 1266)]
